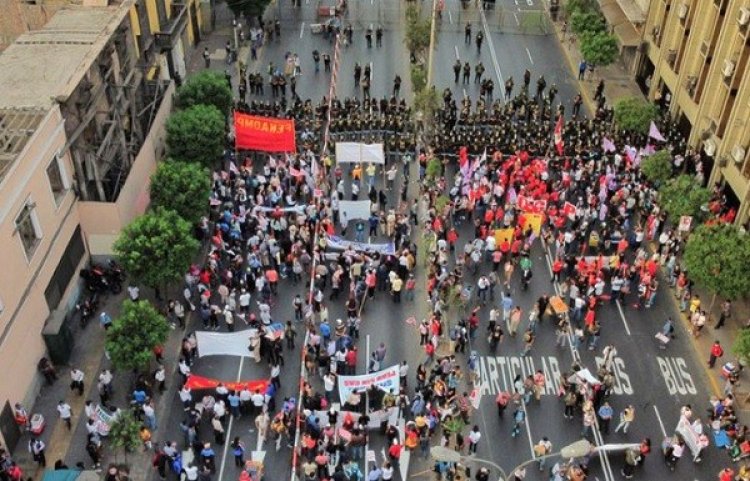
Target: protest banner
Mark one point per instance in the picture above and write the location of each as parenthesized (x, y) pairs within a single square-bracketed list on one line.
[(385, 379), (266, 134)]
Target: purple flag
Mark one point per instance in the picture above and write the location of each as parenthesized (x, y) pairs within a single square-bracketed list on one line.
[(654, 133), (608, 145)]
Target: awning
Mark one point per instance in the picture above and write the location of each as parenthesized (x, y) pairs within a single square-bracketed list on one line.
[(625, 32)]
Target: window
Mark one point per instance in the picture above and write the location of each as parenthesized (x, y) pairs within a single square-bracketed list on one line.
[(28, 229), (57, 180), (65, 270)]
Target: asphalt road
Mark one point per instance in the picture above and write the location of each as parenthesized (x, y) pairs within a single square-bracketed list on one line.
[(657, 382)]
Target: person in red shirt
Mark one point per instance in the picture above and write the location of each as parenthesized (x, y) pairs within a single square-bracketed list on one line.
[(726, 474), (452, 238), (557, 268), (351, 360)]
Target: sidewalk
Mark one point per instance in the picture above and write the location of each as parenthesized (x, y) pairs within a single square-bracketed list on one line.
[(618, 83)]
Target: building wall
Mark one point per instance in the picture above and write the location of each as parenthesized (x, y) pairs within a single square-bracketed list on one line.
[(102, 221), (23, 281), (689, 43), (18, 17)]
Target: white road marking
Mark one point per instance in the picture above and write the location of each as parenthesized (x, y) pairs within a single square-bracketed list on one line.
[(450, 17), (515, 15), (465, 93), (455, 47), (528, 428), (529, 54), (661, 424), (530, 3), (493, 55), (622, 316), (516, 1), (229, 427), (302, 30)]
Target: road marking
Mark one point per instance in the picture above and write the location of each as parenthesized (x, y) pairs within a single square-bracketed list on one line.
[(622, 316), (302, 30), (530, 3), (229, 427), (518, 22), (450, 17), (465, 93), (529, 54), (492, 48), (455, 47), (528, 428), (661, 424), (516, 2), (676, 376)]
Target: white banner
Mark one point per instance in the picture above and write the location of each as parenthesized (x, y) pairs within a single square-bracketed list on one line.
[(353, 209), (223, 343), (385, 379), (299, 209), (357, 153), (336, 242), (688, 433)]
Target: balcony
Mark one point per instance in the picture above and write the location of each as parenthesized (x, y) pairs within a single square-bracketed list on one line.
[(173, 28)]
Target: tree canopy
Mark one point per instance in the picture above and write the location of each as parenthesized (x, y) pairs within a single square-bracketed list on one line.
[(183, 187), (636, 114), (124, 433), (718, 257), (599, 48), (206, 87), (156, 248), (683, 196), (657, 167), (582, 21), (417, 37), (134, 334), (196, 134)]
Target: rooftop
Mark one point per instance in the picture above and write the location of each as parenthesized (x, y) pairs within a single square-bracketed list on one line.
[(46, 65)]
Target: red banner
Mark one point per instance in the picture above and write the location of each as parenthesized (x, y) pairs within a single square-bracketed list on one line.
[(263, 133), (199, 382)]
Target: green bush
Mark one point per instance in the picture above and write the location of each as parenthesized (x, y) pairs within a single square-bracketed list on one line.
[(657, 167), (206, 87), (599, 48), (635, 114), (196, 134), (586, 21)]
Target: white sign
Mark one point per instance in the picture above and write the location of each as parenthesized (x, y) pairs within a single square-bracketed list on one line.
[(386, 379), (676, 376), (354, 209), (223, 343), (357, 153), (685, 221)]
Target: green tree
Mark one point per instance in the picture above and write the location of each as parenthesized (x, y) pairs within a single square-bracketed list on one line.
[(599, 48), (741, 346), (434, 169), (124, 434), (657, 167), (418, 77), (586, 21), (427, 101), (156, 248), (183, 187), (718, 257), (417, 36), (683, 196), (207, 87), (634, 113), (248, 8), (196, 134), (134, 334), (573, 6)]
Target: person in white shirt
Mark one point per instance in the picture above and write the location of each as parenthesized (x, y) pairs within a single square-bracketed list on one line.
[(134, 292), (186, 396), (387, 472), (191, 472), (76, 381), (474, 437), (65, 413)]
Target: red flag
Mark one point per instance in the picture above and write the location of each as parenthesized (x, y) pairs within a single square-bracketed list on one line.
[(558, 136), (264, 133), (463, 156), (569, 209)]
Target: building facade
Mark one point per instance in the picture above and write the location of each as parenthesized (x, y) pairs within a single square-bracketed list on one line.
[(695, 64), (165, 31), (81, 128)]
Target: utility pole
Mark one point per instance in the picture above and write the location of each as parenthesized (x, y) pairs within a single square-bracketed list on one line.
[(431, 52)]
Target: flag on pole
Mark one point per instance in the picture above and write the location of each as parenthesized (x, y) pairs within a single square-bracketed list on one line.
[(608, 146), (558, 136), (463, 156), (654, 133)]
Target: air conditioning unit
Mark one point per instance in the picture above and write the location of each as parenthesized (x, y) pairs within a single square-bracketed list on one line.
[(743, 16), (738, 153), (709, 147), (728, 69), (682, 11)]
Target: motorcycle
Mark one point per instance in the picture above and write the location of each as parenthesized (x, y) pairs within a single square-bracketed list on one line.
[(87, 308), (525, 279), (102, 279)]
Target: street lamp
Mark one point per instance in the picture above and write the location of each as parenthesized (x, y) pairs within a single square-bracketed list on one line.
[(575, 450)]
